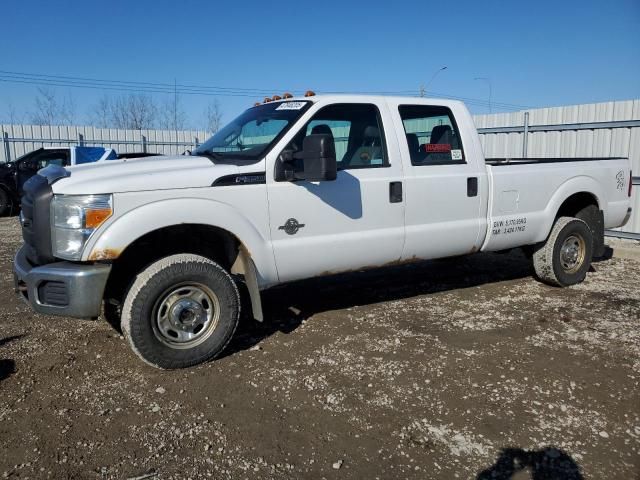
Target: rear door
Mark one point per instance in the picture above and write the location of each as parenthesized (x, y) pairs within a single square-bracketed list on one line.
[(445, 184), (350, 223)]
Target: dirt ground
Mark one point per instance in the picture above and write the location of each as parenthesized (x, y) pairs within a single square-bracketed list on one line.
[(463, 368)]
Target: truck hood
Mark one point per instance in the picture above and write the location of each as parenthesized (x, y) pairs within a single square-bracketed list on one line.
[(138, 174)]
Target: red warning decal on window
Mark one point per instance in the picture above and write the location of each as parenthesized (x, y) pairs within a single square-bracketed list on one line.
[(437, 147)]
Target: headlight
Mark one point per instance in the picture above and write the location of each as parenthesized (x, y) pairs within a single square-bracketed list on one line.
[(75, 217)]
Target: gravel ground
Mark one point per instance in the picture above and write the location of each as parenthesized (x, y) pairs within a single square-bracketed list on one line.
[(463, 368)]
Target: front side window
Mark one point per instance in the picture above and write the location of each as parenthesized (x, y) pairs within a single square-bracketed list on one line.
[(250, 135), (431, 135), (356, 130)]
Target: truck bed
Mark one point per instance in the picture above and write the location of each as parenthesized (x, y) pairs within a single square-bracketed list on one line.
[(524, 199)]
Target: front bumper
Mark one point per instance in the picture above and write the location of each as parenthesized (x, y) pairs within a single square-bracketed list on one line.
[(61, 288)]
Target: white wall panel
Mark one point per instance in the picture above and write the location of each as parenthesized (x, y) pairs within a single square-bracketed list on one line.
[(107, 137)]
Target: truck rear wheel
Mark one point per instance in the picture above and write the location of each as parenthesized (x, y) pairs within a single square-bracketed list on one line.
[(565, 257), (180, 311)]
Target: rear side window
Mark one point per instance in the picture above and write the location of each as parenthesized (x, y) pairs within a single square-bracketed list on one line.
[(432, 135)]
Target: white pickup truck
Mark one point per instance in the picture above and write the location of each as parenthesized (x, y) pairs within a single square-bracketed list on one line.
[(296, 188)]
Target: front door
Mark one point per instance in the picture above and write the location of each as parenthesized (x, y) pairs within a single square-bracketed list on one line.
[(320, 228)]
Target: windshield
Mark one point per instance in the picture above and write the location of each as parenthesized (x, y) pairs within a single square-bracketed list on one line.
[(250, 135)]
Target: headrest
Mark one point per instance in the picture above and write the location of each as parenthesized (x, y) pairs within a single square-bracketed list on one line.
[(414, 143), (441, 134), (321, 129), (371, 132)]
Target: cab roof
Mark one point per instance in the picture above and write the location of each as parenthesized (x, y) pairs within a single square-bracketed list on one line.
[(361, 98)]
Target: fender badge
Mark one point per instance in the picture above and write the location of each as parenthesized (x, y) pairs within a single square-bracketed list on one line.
[(620, 180), (291, 226)]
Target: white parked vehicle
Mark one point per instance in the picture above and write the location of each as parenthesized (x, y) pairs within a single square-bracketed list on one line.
[(292, 189)]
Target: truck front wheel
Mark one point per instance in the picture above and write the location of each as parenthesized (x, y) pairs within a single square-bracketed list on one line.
[(180, 311), (565, 257)]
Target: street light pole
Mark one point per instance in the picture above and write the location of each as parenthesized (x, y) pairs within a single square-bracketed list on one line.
[(488, 80), (424, 89)]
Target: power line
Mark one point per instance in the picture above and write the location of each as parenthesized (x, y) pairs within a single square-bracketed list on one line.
[(203, 90), (131, 83), (151, 87), (54, 83)]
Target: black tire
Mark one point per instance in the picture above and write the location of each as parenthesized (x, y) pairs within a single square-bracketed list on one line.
[(156, 305), (6, 202), (565, 257), (593, 217)]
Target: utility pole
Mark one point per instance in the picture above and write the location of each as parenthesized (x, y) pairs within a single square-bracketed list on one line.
[(488, 80)]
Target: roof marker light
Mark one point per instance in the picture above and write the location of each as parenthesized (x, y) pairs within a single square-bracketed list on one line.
[(266, 100), (287, 95), (276, 97), (309, 93)]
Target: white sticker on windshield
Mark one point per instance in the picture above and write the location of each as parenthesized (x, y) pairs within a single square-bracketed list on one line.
[(291, 106), (456, 154)]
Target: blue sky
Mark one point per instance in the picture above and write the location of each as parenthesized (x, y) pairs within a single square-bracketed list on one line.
[(535, 53)]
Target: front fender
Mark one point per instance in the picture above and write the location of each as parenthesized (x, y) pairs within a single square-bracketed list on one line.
[(120, 232)]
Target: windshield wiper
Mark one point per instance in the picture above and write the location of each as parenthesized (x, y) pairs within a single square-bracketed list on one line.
[(208, 153)]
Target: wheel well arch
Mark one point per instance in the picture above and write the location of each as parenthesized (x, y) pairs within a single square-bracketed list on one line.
[(8, 189), (578, 206), (575, 203), (12, 196), (208, 241)]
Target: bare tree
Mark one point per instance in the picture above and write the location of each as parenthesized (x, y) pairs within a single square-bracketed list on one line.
[(68, 111), (46, 107), (213, 116), (51, 111), (172, 115), (100, 114), (135, 111), (12, 117)]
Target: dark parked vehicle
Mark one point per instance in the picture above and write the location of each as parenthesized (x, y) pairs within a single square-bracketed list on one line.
[(13, 174)]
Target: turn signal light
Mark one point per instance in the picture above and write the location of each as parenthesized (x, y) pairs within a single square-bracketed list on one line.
[(96, 217)]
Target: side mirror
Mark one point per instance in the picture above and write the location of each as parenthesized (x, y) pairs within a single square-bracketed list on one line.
[(319, 158)]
